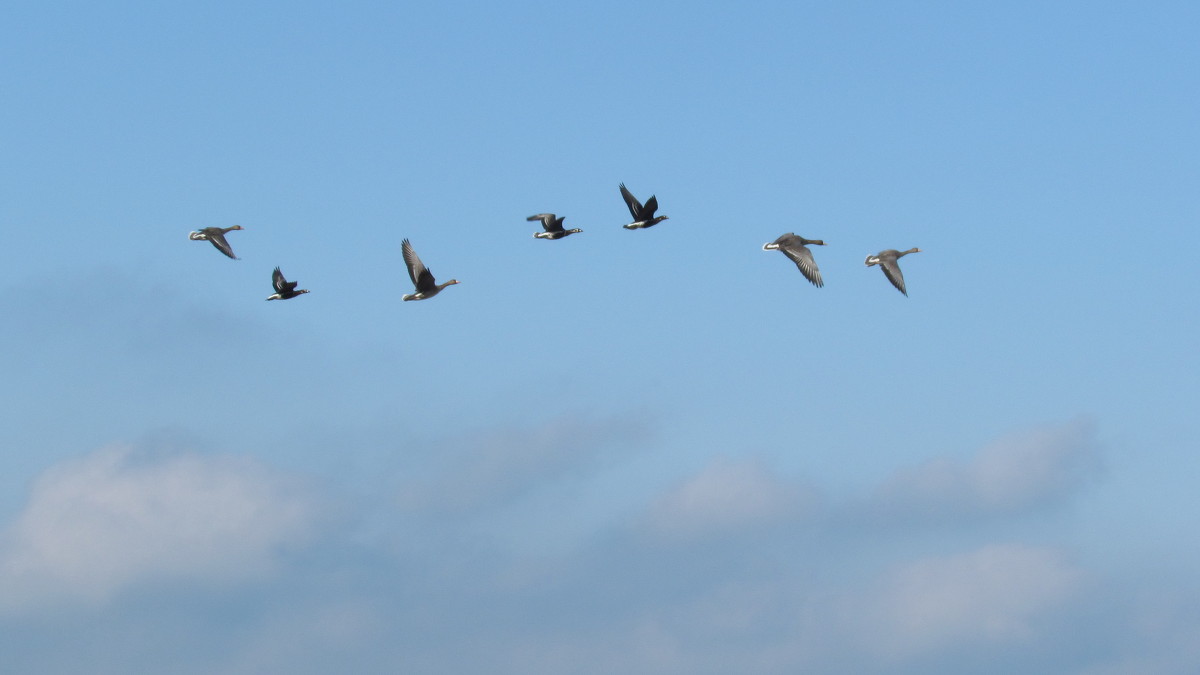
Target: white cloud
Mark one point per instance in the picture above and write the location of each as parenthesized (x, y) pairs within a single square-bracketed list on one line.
[(930, 614), (991, 595), (1015, 473), (727, 495), (103, 522)]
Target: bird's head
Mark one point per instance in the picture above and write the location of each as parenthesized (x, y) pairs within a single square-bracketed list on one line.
[(237, 227)]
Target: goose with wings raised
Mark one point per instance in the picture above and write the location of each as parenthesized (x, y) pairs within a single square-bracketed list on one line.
[(552, 225), (422, 278), (643, 216), (284, 289)]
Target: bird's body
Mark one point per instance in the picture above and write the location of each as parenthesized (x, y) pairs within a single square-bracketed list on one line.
[(887, 261), (796, 249), (216, 235), (553, 226), (643, 216), (421, 277), (284, 289)]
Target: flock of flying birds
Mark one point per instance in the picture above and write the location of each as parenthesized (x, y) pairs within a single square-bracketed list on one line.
[(791, 245)]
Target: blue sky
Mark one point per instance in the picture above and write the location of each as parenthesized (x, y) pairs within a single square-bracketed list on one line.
[(625, 451)]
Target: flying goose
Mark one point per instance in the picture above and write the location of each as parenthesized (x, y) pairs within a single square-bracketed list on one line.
[(217, 236), (891, 269), (795, 248), (421, 277), (284, 289), (643, 216), (553, 226)]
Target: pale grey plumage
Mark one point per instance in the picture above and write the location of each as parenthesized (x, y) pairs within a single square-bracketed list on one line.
[(796, 249), (216, 235), (887, 261)]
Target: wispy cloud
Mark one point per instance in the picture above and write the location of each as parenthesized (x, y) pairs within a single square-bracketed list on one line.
[(993, 594), (728, 495), (101, 523), (735, 567), (999, 599), (1014, 474), (485, 469)]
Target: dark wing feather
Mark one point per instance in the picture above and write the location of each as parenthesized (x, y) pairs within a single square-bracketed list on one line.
[(891, 270), (218, 240), (421, 277), (803, 257), (278, 281), (549, 222), (635, 207), (650, 208)]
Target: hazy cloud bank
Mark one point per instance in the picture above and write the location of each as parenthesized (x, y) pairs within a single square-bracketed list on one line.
[(483, 470), (1017, 473), (735, 566), (110, 519), (729, 495)]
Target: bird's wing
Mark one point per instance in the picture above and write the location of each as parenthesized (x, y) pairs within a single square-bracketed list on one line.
[(635, 207), (651, 207), (550, 223), (803, 257), (218, 240), (278, 281), (421, 277), (891, 270)]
